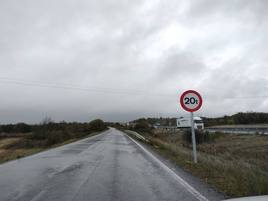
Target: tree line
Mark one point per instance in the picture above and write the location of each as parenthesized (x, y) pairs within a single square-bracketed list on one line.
[(50, 125), (48, 132), (238, 118)]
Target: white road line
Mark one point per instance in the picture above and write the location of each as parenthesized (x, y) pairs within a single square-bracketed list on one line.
[(187, 186), (39, 195)]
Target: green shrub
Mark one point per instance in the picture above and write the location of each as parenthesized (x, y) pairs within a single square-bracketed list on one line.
[(200, 136), (22, 128), (54, 137), (7, 128), (97, 125), (143, 126), (53, 133)]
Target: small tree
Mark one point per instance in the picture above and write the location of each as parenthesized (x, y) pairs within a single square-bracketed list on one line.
[(97, 125), (23, 128), (142, 125), (40, 131)]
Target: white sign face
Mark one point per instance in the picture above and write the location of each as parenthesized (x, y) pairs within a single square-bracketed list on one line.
[(191, 101)]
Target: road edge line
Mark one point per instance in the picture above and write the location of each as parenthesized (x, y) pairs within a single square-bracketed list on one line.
[(185, 184)]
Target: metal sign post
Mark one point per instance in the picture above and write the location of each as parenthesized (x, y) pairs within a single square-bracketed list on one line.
[(191, 101), (193, 137)]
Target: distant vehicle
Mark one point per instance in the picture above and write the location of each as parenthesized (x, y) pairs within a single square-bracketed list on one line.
[(184, 122)]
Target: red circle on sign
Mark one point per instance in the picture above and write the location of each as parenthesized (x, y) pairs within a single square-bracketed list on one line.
[(198, 106)]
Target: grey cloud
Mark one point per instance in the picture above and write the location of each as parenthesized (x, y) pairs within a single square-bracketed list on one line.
[(180, 64), (247, 9), (231, 89), (118, 49)]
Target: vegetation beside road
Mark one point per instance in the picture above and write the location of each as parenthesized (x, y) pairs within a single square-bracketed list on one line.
[(244, 118), (17, 142), (235, 164), (238, 118)]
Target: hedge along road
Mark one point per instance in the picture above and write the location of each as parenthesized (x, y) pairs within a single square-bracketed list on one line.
[(109, 166)]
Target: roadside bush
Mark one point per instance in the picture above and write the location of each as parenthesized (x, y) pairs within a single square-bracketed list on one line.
[(40, 132), (7, 128), (143, 126), (22, 128), (200, 136), (52, 133), (16, 128), (97, 125), (54, 137)]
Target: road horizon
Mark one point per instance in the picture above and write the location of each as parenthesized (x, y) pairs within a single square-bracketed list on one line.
[(108, 166)]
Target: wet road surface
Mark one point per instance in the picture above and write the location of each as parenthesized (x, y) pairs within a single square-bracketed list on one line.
[(106, 167)]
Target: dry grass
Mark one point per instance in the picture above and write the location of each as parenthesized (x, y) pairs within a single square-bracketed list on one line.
[(7, 141), (17, 147), (7, 153), (235, 164)]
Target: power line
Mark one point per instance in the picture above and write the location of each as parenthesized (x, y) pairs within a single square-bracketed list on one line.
[(21, 82), (79, 88)]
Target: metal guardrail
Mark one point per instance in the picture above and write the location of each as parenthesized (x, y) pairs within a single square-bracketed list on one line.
[(137, 135), (251, 131)]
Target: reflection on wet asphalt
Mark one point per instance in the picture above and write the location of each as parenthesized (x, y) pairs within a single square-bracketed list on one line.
[(109, 166)]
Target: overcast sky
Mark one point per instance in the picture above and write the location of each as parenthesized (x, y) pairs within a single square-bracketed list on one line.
[(77, 60)]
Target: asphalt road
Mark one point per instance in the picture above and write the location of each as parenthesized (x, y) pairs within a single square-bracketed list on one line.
[(109, 166)]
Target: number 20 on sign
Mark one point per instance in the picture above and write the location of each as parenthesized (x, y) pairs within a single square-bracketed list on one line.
[(191, 101)]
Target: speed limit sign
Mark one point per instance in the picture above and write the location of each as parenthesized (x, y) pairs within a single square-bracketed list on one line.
[(191, 101)]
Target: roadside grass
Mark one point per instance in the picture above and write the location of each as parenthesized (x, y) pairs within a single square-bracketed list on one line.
[(18, 147), (237, 165), (7, 155), (15, 144), (7, 141)]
